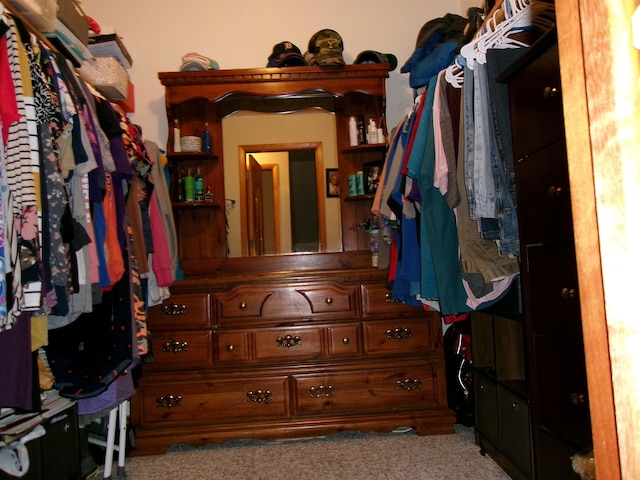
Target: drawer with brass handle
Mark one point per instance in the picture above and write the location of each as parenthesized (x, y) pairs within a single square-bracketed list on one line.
[(181, 349), (181, 312)]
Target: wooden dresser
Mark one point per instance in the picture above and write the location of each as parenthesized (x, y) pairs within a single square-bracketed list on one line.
[(289, 355)]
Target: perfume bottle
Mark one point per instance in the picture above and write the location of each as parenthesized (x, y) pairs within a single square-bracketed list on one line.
[(176, 136), (198, 186), (206, 139), (208, 194)]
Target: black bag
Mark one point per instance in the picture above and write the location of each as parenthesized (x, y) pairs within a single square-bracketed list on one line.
[(459, 374)]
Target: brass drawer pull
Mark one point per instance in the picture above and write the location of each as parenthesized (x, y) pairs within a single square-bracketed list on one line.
[(346, 341), (243, 306), (175, 346), (169, 401), (328, 300), (408, 384), (568, 293), (173, 309), (550, 92), (389, 298), (578, 398), (288, 341), (230, 348), (259, 396), (555, 191), (399, 333), (322, 391)]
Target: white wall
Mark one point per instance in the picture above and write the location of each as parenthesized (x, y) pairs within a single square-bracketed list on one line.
[(242, 33)]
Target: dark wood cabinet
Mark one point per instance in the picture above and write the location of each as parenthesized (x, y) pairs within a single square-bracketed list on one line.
[(551, 344)]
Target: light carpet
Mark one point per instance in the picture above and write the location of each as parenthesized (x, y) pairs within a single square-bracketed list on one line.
[(348, 456)]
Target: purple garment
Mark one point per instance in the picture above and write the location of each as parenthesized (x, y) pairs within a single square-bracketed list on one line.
[(16, 374)]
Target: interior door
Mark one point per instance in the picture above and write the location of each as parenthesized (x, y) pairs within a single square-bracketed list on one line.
[(255, 215)]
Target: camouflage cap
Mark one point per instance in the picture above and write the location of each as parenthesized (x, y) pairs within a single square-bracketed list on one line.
[(325, 48)]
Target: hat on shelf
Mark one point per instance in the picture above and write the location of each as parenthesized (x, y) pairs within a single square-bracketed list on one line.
[(371, 56), (193, 62), (286, 54), (325, 48)]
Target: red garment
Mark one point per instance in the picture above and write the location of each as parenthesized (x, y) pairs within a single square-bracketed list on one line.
[(8, 105)]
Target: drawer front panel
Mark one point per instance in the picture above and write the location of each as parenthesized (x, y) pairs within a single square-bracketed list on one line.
[(233, 347), (323, 300), (181, 350), (289, 343), (220, 401), (544, 198), (400, 336), (562, 391), (536, 95), (343, 340), (553, 282), (377, 300), (182, 311), (403, 388), (515, 428)]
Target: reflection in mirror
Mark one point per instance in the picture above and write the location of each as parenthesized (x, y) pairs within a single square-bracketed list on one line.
[(287, 222), (267, 134)]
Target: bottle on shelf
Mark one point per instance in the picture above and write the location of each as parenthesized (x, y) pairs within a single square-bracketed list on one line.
[(362, 137), (359, 182), (372, 131), (176, 136), (208, 194), (206, 139), (353, 132), (198, 186), (181, 196), (188, 187)]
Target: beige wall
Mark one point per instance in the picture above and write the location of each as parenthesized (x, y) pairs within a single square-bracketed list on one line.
[(241, 34)]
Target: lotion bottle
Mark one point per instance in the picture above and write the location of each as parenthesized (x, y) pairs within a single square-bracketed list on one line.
[(353, 132), (176, 136), (206, 139)]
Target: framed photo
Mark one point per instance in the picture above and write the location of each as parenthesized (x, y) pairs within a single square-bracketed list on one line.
[(333, 182), (372, 171)]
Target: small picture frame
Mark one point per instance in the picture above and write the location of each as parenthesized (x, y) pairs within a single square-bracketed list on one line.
[(372, 172), (332, 182)]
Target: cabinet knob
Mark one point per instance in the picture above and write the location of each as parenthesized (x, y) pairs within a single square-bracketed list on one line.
[(230, 348), (569, 293), (550, 92), (242, 306), (328, 300), (555, 191), (346, 340), (578, 398)]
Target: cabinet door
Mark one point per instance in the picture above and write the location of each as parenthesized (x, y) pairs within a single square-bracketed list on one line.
[(486, 408), (60, 447), (515, 428)]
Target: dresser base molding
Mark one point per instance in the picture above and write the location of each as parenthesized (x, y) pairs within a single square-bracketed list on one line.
[(157, 440)]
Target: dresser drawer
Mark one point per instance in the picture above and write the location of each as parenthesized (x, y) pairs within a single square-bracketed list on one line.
[(215, 400), (402, 336), (553, 288), (181, 349), (410, 386), (264, 303), (544, 199), (563, 400), (377, 300), (535, 94), (180, 312)]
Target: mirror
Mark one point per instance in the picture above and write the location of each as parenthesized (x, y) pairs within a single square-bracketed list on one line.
[(272, 139)]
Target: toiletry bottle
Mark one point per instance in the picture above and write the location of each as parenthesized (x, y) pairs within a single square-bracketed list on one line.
[(372, 131), (359, 182), (206, 139), (208, 194), (353, 132), (198, 186), (181, 186), (362, 136), (176, 136), (188, 186)]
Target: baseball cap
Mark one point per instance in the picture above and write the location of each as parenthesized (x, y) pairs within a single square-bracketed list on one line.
[(371, 56), (325, 48), (192, 62), (286, 54)]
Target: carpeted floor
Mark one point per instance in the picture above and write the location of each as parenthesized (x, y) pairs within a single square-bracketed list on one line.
[(348, 456)]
